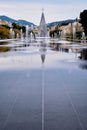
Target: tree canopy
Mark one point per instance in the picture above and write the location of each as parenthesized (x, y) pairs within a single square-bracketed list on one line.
[(4, 32), (83, 20)]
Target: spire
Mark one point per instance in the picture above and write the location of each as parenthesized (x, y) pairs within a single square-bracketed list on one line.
[(42, 26), (42, 9), (42, 21)]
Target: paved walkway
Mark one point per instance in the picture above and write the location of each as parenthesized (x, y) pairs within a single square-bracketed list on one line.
[(53, 97)]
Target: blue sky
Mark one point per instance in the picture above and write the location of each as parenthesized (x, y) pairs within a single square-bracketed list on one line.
[(30, 10)]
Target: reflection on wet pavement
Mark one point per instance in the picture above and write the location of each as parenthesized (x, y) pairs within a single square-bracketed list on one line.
[(41, 85)]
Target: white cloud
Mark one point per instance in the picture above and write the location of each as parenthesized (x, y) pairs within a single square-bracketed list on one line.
[(32, 12)]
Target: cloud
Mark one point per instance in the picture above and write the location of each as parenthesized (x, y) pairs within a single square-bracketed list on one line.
[(32, 11)]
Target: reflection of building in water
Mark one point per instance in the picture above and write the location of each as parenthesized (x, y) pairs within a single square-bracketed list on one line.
[(43, 58)]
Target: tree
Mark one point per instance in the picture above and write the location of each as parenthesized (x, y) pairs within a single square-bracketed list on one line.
[(83, 20), (4, 32), (24, 29), (14, 25)]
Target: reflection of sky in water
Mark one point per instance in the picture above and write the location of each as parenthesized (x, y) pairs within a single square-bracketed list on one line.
[(29, 55), (22, 79)]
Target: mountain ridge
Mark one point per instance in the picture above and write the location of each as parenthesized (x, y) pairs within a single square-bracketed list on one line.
[(24, 22), (20, 21), (62, 22)]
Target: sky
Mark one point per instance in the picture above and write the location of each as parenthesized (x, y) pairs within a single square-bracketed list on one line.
[(54, 10)]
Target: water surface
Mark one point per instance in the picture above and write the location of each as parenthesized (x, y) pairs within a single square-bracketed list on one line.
[(32, 94)]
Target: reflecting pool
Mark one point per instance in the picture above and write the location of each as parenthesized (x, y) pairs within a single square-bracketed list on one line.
[(41, 88)]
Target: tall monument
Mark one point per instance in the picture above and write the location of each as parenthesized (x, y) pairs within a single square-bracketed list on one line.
[(42, 26)]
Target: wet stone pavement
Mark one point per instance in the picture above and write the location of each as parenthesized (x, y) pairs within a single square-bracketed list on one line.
[(33, 96)]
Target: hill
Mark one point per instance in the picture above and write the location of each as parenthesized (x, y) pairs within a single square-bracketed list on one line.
[(60, 23), (8, 19), (24, 22), (21, 22)]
